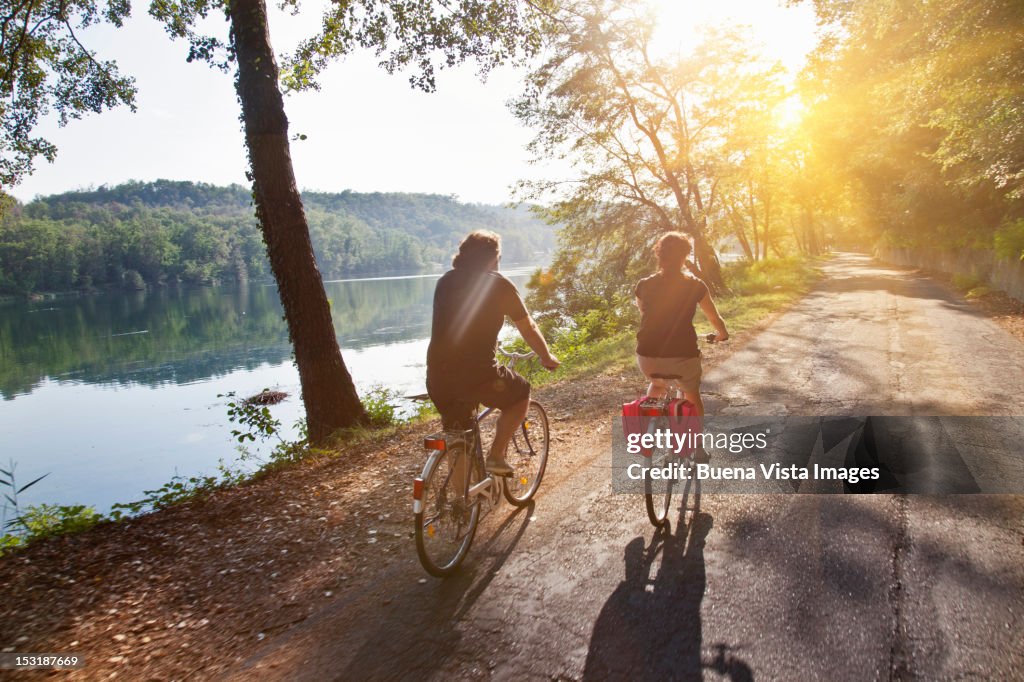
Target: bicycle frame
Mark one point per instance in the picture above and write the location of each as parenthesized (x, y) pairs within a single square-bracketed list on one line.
[(470, 493), (448, 494), (488, 480)]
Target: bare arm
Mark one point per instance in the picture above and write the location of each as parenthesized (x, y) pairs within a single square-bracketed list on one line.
[(534, 339), (711, 312)]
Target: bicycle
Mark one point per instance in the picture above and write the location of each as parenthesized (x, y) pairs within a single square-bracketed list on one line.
[(448, 493), (659, 502)]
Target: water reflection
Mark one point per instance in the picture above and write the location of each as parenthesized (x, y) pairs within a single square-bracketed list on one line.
[(187, 335), (114, 394)]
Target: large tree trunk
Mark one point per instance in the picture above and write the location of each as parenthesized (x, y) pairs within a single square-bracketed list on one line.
[(328, 393), (707, 261), (745, 243)]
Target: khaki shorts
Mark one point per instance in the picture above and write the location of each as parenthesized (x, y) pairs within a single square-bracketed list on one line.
[(688, 369)]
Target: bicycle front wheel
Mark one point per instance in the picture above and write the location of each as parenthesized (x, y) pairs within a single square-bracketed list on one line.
[(528, 455), (447, 522), (658, 493)]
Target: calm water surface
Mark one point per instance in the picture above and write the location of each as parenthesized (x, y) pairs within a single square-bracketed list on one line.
[(115, 394)]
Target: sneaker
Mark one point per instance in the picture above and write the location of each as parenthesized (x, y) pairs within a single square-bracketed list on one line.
[(498, 467)]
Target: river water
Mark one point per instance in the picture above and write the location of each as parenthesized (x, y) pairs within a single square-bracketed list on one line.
[(116, 393)]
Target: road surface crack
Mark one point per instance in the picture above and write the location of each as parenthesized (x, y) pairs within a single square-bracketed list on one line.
[(899, 655)]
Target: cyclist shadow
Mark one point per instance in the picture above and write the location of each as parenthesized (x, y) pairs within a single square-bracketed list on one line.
[(423, 632), (650, 627)]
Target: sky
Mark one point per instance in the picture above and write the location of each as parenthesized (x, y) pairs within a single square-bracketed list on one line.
[(365, 131)]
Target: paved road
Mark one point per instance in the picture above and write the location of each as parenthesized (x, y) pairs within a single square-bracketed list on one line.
[(751, 586)]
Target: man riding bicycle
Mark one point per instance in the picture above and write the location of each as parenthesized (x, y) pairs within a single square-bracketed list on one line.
[(471, 302)]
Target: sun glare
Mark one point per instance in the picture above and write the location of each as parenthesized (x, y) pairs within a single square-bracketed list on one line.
[(785, 34), (791, 112)]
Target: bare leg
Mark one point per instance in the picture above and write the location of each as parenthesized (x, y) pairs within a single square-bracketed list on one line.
[(694, 397), (657, 389), (459, 464), (508, 421), (701, 454)]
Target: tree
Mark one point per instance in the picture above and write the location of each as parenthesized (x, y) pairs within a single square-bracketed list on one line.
[(425, 35), (643, 131), (42, 66), (918, 110)]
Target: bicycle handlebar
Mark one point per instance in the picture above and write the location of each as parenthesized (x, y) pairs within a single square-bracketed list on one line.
[(516, 357)]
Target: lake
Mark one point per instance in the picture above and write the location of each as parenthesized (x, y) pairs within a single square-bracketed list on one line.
[(116, 393)]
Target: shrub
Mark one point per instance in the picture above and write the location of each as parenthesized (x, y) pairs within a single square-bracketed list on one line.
[(1009, 240), (133, 281), (381, 405), (48, 520), (745, 278), (966, 283)]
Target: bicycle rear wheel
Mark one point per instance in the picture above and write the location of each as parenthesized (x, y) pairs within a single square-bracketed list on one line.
[(447, 523), (528, 455), (658, 492)]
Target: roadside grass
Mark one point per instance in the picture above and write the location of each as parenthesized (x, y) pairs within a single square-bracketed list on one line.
[(757, 291)]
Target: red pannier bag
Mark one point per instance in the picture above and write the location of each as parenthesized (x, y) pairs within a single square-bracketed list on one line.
[(684, 421), (636, 415)]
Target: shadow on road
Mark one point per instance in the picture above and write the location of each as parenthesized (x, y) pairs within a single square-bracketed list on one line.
[(650, 627), (422, 636)]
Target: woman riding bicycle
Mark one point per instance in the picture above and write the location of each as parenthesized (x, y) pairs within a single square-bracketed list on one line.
[(666, 341), (471, 302)]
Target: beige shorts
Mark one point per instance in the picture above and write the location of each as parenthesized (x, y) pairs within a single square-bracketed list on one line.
[(688, 369)]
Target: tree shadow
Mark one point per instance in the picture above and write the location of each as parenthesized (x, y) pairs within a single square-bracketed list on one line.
[(650, 627)]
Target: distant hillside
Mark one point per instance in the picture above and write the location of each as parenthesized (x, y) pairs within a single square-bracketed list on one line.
[(139, 234)]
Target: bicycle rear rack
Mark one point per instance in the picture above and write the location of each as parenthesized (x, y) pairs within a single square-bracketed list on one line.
[(442, 439)]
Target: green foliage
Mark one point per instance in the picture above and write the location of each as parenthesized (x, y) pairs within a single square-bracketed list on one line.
[(255, 424), (179, 489), (592, 339), (425, 36), (38, 521), (10, 542), (917, 115), (966, 283), (978, 292), (260, 425), (253, 417), (651, 137), (384, 406), (49, 520), (44, 67), (9, 506), (380, 405), (1009, 240), (164, 232), (787, 274)]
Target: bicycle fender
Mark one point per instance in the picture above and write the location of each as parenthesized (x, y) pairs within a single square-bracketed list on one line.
[(417, 484)]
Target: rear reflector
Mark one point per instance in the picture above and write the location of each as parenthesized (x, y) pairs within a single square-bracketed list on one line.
[(434, 444), (417, 489)]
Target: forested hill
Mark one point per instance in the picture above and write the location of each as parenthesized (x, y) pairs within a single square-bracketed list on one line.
[(140, 234)]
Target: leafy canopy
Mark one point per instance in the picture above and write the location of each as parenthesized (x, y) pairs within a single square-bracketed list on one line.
[(44, 67)]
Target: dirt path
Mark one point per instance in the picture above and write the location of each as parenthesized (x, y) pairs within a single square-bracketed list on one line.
[(312, 574)]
